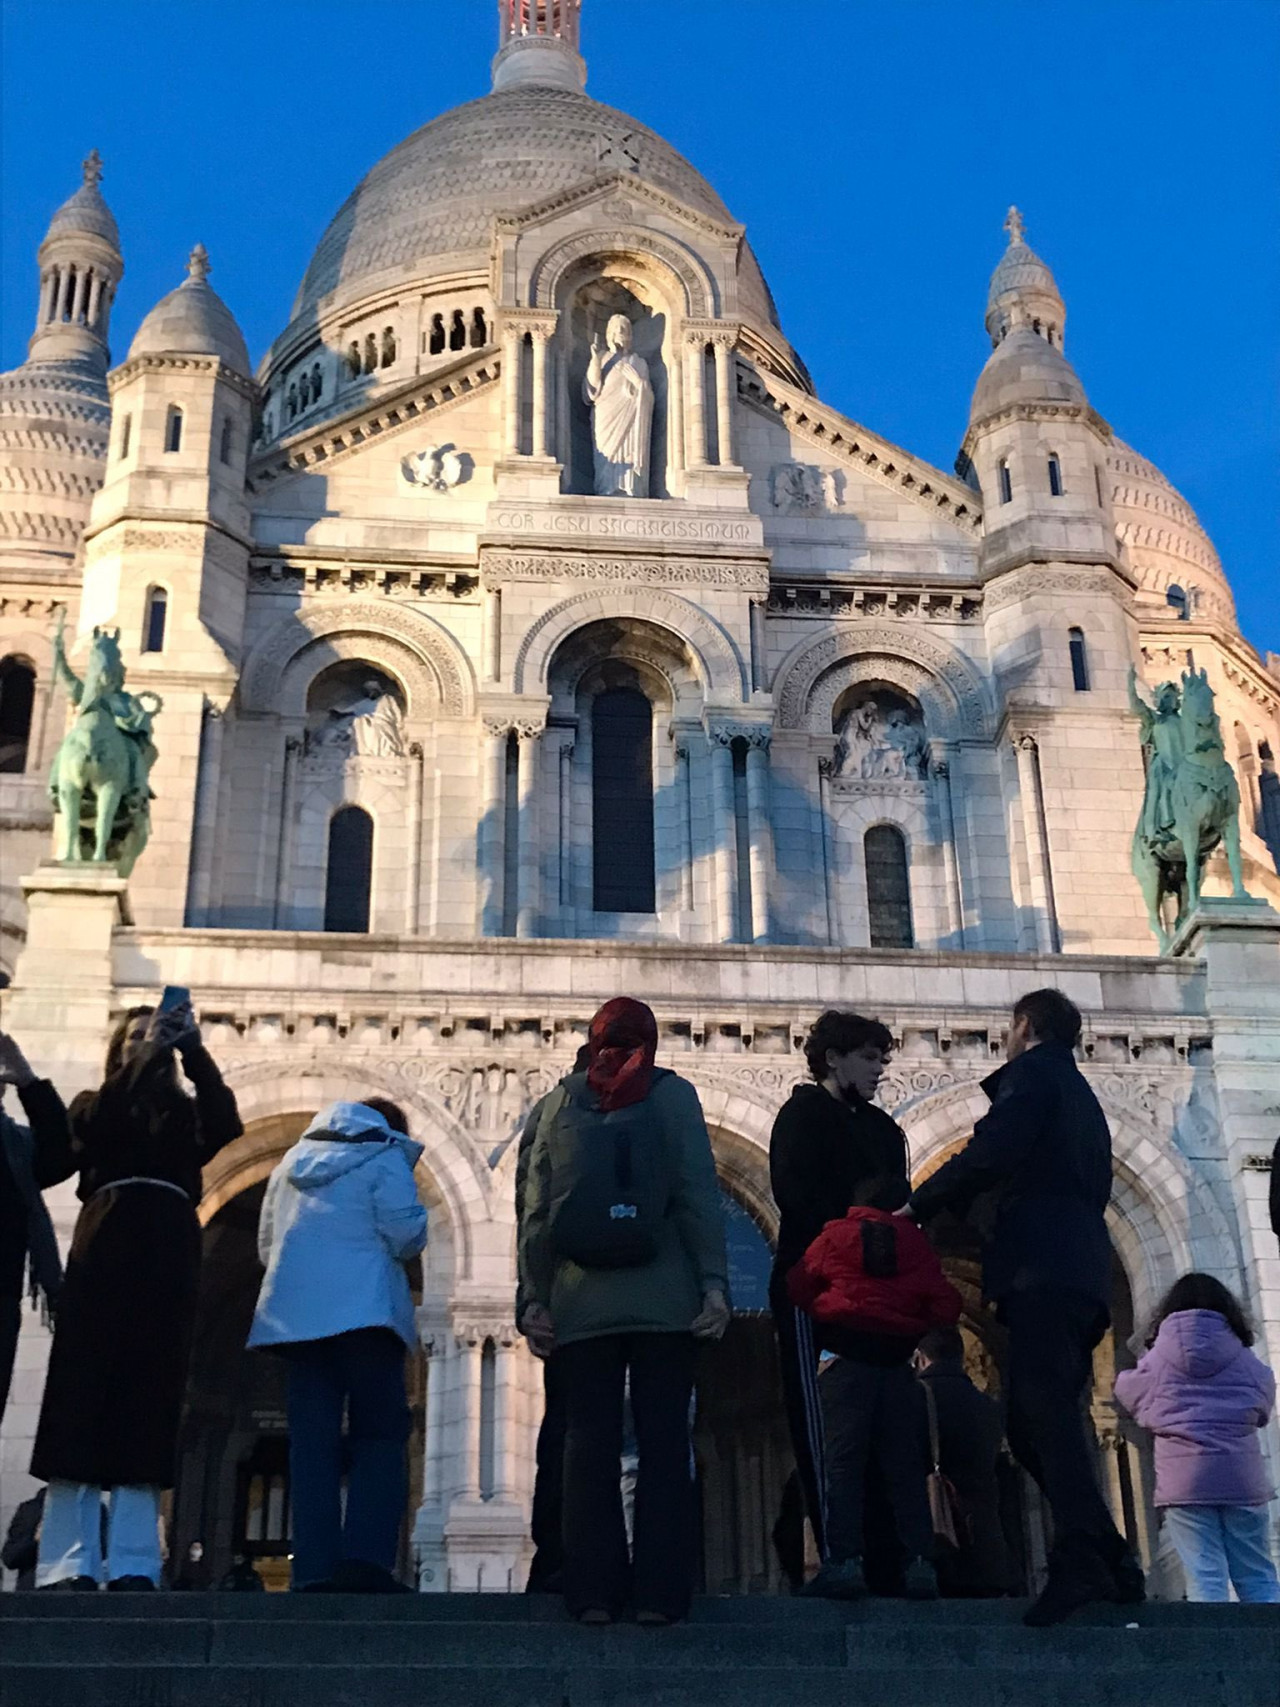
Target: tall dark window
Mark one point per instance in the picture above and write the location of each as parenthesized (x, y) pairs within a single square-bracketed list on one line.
[(622, 801), (349, 876), (1006, 484), (154, 620), (1055, 477), (888, 887), (17, 700), (1079, 660), (1178, 602), (225, 440), (126, 433), (173, 429)]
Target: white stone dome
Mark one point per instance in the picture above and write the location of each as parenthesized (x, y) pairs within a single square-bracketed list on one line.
[(55, 422), (435, 194), (1024, 368), (1162, 535), (193, 321)]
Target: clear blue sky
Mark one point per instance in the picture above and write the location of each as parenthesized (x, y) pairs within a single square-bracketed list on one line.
[(870, 146)]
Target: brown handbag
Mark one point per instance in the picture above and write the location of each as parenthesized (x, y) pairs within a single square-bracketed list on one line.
[(950, 1524)]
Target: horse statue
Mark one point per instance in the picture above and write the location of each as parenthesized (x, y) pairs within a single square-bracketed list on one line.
[(100, 779), (1192, 799)]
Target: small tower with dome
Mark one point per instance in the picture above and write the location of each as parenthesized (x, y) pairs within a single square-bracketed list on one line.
[(169, 537)]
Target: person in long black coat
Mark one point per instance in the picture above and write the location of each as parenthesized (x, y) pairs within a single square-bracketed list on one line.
[(1043, 1150), (126, 1314)]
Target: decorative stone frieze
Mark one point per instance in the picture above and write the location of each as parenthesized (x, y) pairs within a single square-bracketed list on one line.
[(500, 568)]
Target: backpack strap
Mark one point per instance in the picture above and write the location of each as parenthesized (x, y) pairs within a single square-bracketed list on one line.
[(935, 1441)]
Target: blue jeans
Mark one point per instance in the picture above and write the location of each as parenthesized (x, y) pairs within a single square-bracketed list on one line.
[(1221, 1546), (363, 1374)]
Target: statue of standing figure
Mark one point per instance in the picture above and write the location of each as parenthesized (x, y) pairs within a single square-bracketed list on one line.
[(1191, 802), (620, 393), (100, 782)]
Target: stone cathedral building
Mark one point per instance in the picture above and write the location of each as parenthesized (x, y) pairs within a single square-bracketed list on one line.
[(492, 688)]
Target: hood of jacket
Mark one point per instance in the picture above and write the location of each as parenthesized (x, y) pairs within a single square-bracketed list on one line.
[(1199, 1343), (343, 1137)]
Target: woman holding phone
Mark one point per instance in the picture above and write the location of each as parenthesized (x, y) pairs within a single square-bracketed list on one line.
[(121, 1344)]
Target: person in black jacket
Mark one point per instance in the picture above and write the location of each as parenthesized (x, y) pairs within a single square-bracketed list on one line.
[(1044, 1152), (970, 1440), (30, 1161), (830, 1148)]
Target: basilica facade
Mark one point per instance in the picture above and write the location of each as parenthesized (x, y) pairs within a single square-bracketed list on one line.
[(527, 631)]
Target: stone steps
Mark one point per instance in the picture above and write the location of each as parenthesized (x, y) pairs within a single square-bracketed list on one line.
[(186, 1650)]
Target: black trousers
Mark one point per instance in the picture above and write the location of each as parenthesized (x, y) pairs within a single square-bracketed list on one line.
[(596, 1570), (1052, 1336), (546, 1528), (873, 1423), (798, 1362)]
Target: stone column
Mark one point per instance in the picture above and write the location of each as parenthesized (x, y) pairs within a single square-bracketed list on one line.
[(541, 362), (759, 650), (492, 640), (826, 828), (1037, 843), (760, 831), (529, 737), (48, 298), (283, 916), (469, 1361), (950, 856), (684, 774), (204, 832), (505, 1378), (725, 821), (95, 300), (432, 1453), (512, 344), (726, 377), (695, 346), (492, 829), (80, 308), (565, 867), (413, 900)]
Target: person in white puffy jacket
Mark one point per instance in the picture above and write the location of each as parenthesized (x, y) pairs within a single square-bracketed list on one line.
[(340, 1218)]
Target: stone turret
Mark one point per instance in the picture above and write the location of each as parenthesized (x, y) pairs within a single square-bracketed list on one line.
[(54, 412), (539, 45)]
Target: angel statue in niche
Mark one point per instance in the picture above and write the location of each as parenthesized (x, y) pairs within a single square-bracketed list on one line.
[(620, 395)]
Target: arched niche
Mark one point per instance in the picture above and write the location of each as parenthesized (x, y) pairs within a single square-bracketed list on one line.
[(588, 307), (923, 668), (721, 675)]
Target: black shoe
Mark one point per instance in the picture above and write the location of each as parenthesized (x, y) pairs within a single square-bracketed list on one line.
[(70, 1585), (1077, 1577), (837, 1579), (131, 1585), (595, 1616), (1129, 1585)]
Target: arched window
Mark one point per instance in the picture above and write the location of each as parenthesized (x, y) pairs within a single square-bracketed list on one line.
[(436, 342), (388, 346), (458, 331), (349, 874), (155, 616), (1055, 476), (1176, 598), (173, 429), (353, 359), (317, 387), (126, 436), (1079, 660), (1006, 482), (884, 848), (17, 701), (1035, 327), (479, 331), (225, 440), (370, 353), (622, 801)]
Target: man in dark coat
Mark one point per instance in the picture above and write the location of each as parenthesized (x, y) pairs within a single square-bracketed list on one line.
[(32, 1158), (830, 1148), (1275, 1190), (970, 1438), (1044, 1152)]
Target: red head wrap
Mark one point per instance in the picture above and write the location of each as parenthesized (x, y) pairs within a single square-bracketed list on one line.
[(623, 1041)]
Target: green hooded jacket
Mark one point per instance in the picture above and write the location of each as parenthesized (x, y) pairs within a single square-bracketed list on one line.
[(658, 1297)]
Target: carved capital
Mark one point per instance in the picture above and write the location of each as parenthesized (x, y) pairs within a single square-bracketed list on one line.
[(527, 730), (475, 1330), (1025, 742), (754, 734), (725, 340), (496, 725)]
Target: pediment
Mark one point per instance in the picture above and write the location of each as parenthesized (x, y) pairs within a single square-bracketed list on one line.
[(619, 197)]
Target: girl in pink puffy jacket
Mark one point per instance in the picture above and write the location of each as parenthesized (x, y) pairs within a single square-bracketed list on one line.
[(1204, 1396)]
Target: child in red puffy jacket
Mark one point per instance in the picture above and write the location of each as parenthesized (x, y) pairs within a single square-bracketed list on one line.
[(874, 1286)]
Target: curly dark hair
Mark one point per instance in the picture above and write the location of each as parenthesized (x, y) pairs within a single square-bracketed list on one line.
[(391, 1112), (1203, 1292), (840, 1033)]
